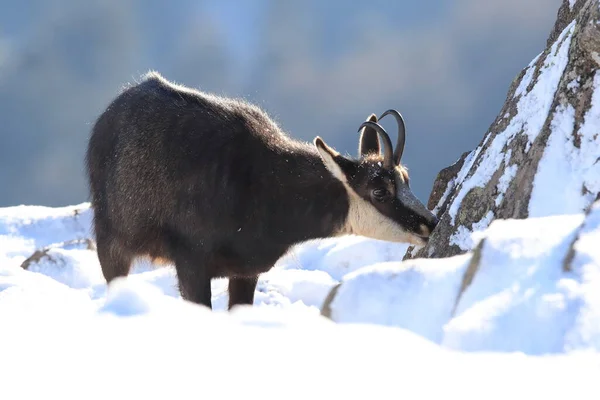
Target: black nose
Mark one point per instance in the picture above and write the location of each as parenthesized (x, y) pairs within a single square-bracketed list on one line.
[(432, 222)]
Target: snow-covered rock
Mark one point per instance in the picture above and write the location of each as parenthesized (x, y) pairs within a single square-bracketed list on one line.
[(531, 285), (541, 156)]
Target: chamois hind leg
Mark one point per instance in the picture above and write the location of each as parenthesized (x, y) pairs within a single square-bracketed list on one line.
[(241, 290), (115, 260)]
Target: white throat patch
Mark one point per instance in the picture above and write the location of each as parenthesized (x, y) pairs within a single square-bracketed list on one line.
[(365, 220)]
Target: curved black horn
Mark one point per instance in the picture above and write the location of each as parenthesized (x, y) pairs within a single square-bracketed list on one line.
[(401, 134), (387, 143)]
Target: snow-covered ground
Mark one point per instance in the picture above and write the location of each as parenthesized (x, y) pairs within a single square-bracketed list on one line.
[(302, 278), (535, 289), (398, 334)]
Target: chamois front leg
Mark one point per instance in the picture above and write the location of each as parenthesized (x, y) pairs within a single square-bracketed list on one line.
[(241, 290), (194, 281)]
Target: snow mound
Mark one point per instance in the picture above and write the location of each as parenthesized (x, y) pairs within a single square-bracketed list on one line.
[(416, 295), (26, 293), (67, 263), (340, 257), (143, 344), (530, 286), (24, 229), (584, 261), (520, 299), (56, 243)]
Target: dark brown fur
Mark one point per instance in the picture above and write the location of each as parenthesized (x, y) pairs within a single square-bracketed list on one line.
[(207, 183)]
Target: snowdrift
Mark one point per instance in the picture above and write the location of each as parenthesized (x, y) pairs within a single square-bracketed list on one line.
[(403, 325), (55, 246), (143, 344), (530, 285)]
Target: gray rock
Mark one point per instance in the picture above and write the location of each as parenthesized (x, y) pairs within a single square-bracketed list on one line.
[(547, 103)]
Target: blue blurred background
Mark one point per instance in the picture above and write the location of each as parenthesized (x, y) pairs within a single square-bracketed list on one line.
[(318, 67)]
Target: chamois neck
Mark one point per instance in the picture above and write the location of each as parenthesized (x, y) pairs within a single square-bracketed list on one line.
[(318, 201)]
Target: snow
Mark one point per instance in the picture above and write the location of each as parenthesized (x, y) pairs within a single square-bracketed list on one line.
[(169, 350), (304, 276), (338, 258), (523, 322), (414, 295), (576, 170), (467, 164), (586, 264), (573, 85), (463, 237), (520, 298), (69, 265), (572, 4), (26, 293), (535, 105), (520, 283), (509, 173), (527, 77)]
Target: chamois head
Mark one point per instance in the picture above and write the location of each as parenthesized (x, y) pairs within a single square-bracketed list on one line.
[(382, 205)]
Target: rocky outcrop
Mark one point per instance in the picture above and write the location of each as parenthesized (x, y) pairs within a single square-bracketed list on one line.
[(541, 156)]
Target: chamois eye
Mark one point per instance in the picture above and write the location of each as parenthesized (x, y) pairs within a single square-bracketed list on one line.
[(380, 194)]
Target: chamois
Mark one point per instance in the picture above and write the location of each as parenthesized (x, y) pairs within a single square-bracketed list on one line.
[(214, 186)]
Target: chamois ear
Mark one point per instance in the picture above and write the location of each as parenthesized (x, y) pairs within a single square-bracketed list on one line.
[(338, 165), (369, 140)]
